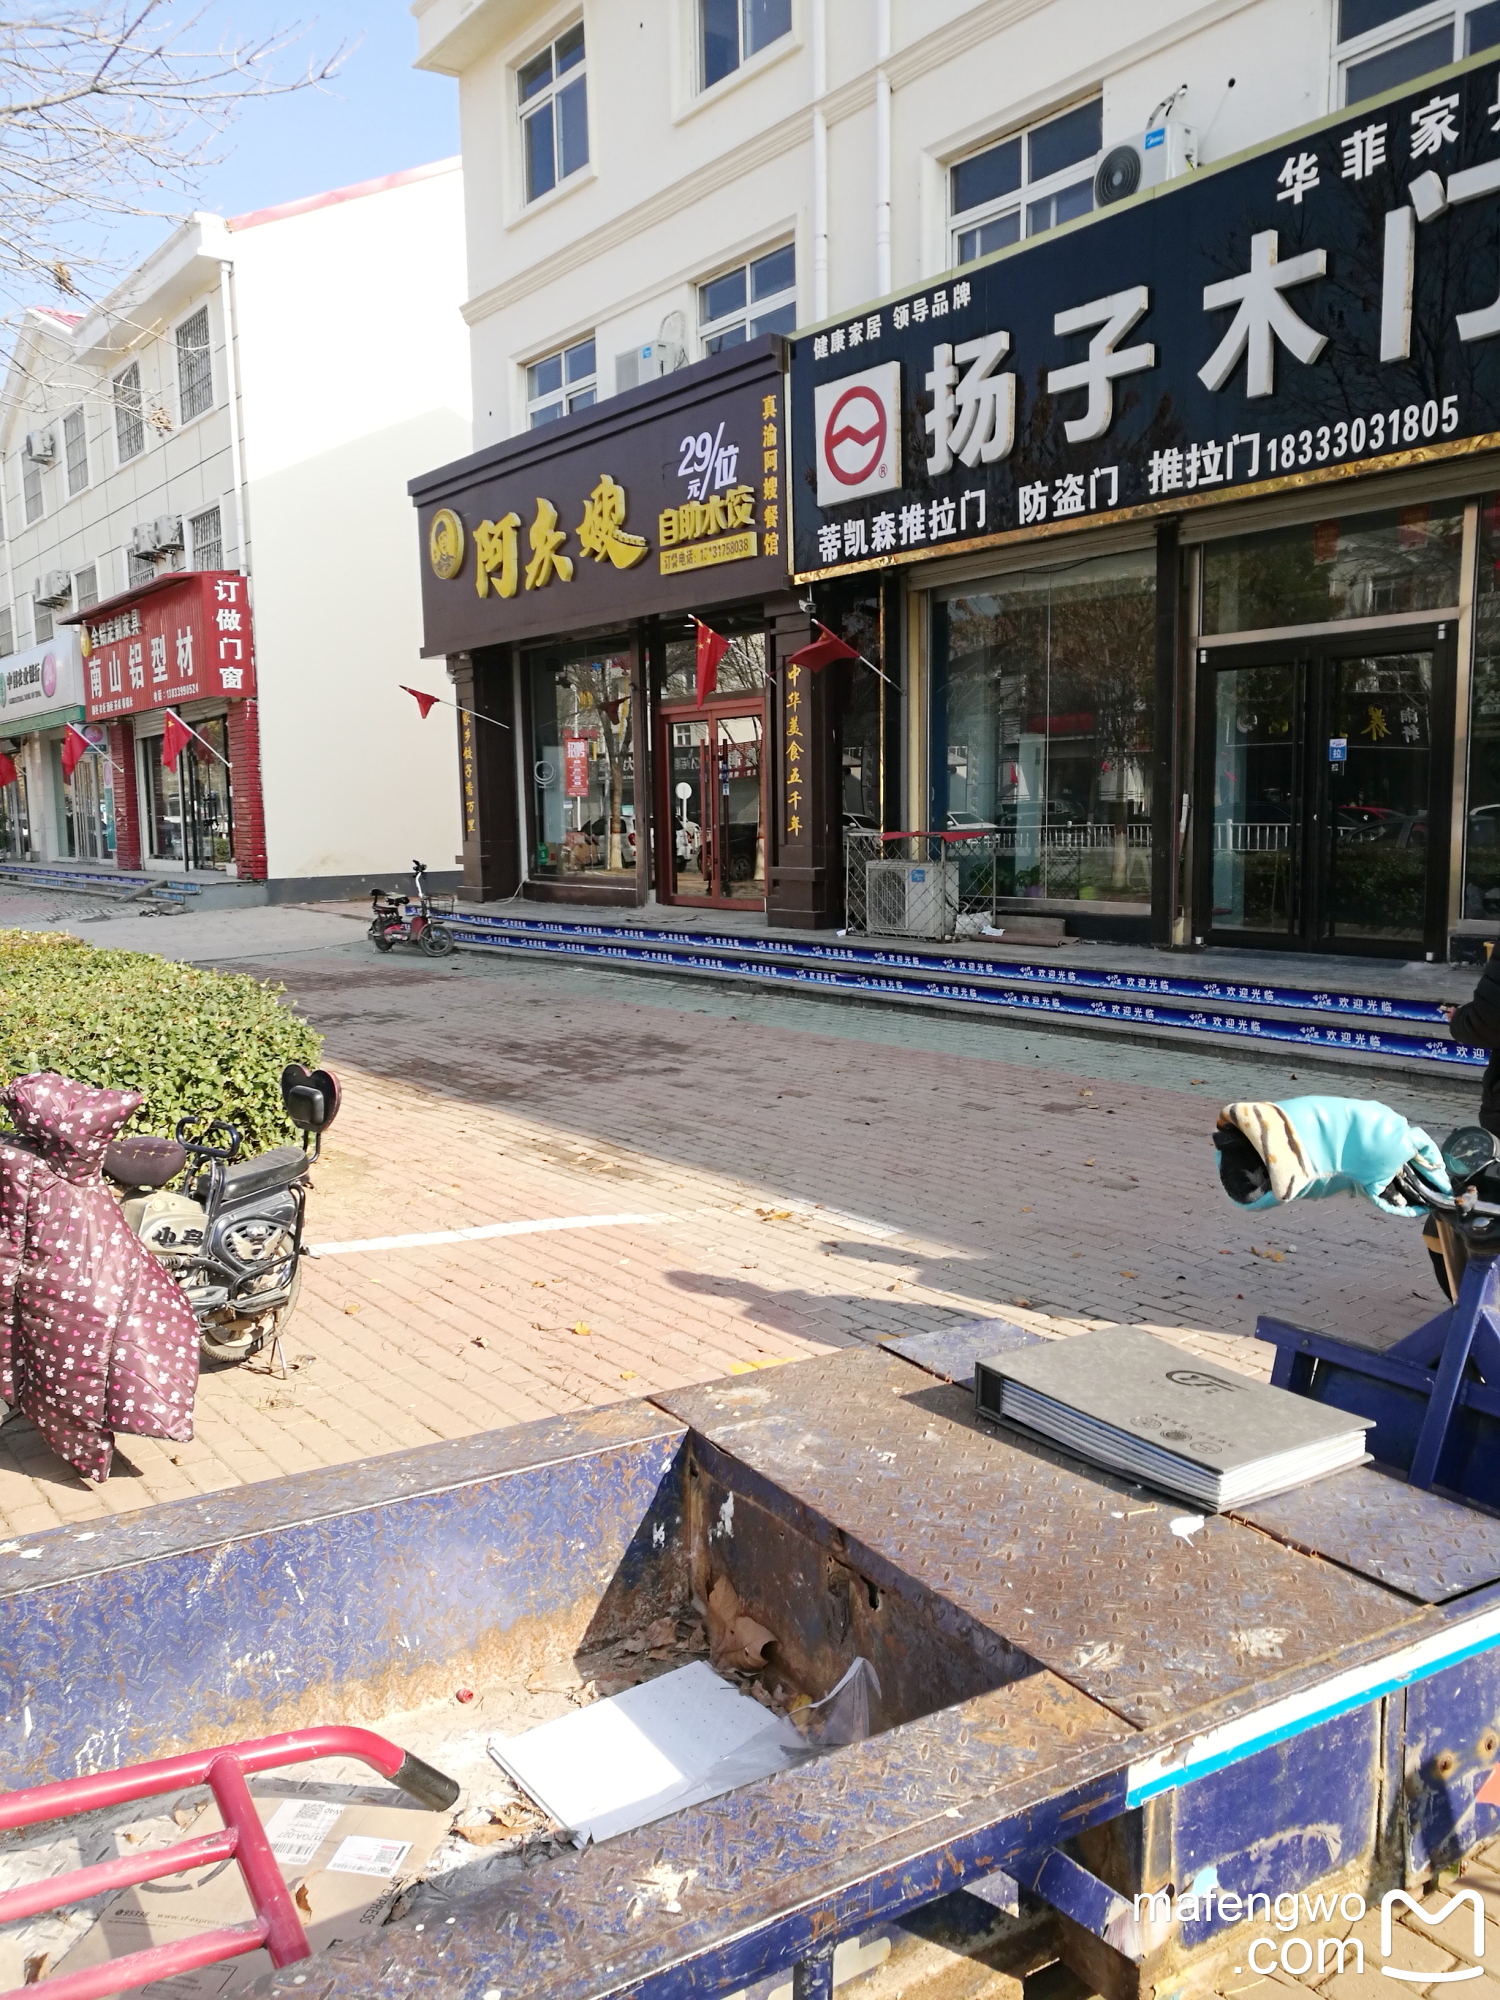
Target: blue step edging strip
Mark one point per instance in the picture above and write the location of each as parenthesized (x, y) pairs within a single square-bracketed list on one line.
[(22, 873), (923, 977)]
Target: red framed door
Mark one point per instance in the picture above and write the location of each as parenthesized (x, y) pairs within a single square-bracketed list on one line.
[(711, 815)]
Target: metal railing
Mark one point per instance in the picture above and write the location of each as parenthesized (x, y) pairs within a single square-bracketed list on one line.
[(953, 883), (1251, 836)]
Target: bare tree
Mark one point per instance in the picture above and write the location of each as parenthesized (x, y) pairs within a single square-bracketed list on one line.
[(111, 111)]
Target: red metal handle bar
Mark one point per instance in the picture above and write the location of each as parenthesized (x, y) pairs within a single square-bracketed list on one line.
[(277, 1926), (264, 1753)]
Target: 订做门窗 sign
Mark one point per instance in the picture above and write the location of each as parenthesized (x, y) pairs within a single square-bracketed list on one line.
[(1330, 305)]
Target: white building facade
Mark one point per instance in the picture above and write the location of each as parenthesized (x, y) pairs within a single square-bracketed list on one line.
[(203, 488)]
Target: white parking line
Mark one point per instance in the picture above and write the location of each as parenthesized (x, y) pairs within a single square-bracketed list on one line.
[(481, 1230)]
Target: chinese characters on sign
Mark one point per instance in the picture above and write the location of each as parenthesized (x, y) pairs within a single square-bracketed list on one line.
[(794, 745), (1298, 314), (184, 642), (466, 760), (576, 767)]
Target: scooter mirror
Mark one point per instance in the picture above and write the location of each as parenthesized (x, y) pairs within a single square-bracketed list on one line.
[(311, 1097)]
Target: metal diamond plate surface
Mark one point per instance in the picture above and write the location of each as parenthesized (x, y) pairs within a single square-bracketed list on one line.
[(1373, 1522), (951, 1351), (1081, 1570), (761, 1874)]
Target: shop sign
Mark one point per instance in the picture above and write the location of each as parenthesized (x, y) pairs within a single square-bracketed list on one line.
[(1328, 306), (576, 767), (40, 681), (612, 514), (181, 641)]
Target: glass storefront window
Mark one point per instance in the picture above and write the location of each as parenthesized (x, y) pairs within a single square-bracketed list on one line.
[(1042, 726), (89, 801), (190, 811), (1364, 566), (741, 671), (15, 818), (1482, 826), (583, 770)]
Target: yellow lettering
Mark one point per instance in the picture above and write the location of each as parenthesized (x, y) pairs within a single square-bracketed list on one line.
[(495, 547), (546, 538), (667, 526), (601, 532)]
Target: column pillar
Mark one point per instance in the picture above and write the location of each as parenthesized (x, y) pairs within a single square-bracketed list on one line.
[(129, 819), (1167, 771), (487, 755), (243, 733)]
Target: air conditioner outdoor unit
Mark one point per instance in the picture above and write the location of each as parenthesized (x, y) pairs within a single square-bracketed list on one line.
[(56, 587), (167, 529), (1160, 154), (143, 540), (41, 447), (911, 898)]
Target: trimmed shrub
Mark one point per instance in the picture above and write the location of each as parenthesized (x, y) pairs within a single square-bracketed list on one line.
[(190, 1040)]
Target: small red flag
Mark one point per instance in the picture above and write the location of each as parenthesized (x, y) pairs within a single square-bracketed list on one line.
[(426, 702), (76, 746), (712, 646), (823, 652), (7, 769), (175, 738)]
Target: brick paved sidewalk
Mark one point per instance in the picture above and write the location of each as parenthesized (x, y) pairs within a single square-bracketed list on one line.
[(814, 1175)]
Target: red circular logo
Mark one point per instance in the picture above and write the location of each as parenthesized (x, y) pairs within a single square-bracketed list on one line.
[(860, 436)]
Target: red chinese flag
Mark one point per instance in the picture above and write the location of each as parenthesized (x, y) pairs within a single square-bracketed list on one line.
[(823, 652), (712, 646), (426, 702), (7, 769), (76, 746), (175, 738)]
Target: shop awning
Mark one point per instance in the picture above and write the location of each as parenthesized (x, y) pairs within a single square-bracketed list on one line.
[(31, 725)]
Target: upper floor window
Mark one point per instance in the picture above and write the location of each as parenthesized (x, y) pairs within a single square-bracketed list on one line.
[(563, 381), (735, 30), (75, 451), (1385, 43), (207, 533), (195, 374), (1027, 183), (41, 622), (130, 425), (31, 488), (138, 569), (7, 632), (86, 586), (553, 93), (755, 298)]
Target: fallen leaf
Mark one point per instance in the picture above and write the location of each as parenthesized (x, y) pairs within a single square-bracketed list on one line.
[(302, 1899), (582, 1326), (1022, 1302), (627, 1374), (1127, 1274), (351, 1307), (1088, 1163), (539, 1284), (661, 1632), (774, 1214), (480, 1341)]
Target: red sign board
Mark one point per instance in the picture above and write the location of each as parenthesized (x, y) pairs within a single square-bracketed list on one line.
[(172, 642), (576, 767)]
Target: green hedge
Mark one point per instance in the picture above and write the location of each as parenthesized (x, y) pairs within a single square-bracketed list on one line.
[(189, 1039)]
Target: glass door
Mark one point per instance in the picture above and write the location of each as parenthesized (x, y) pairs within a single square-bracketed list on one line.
[(1326, 779), (715, 781)]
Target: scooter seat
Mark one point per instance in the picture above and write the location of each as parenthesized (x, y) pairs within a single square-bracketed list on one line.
[(266, 1173), (143, 1160)]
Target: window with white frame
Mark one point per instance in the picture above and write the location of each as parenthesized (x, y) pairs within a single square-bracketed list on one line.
[(86, 586), (138, 569), (561, 382), (553, 96), (75, 451), (41, 621), (734, 30), (7, 632), (195, 374), (31, 488), (1385, 43), (1026, 183), (752, 299), (206, 531), (130, 425)]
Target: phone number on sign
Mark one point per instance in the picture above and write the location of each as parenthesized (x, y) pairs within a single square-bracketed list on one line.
[(1411, 423)]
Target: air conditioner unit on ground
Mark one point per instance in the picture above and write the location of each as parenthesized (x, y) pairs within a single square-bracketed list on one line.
[(1161, 153), (168, 531), (41, 447), (56, 587), (143, 540), (911, 898)]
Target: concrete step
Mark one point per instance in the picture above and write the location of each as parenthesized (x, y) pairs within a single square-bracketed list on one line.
[(1050, 990)]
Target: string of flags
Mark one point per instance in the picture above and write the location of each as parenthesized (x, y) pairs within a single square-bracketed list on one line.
[(428, 702), (818, 653)]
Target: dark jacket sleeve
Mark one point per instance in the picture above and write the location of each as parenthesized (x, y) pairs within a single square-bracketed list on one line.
[(1478, 1020)]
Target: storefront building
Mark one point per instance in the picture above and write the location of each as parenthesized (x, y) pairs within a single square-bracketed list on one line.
[(575, 579), (1187, 516), (183, 643), (41, 809)]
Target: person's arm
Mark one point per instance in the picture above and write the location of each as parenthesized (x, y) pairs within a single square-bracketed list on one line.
[(1478, 1020)]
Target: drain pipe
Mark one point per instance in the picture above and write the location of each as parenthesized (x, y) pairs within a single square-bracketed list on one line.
[(820, 158), (882, 149)]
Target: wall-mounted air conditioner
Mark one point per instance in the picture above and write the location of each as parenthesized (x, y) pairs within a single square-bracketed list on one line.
[(167, 529), (143, 542), (911, 898), (1161, 153), (56, 587), (41, 447)]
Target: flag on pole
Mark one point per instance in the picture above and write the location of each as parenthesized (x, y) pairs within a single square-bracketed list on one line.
[(712, 646), (823, 652), (175, 738), (76, 746), (7, 769), (426, 702)]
